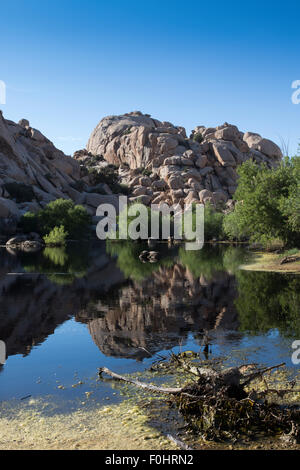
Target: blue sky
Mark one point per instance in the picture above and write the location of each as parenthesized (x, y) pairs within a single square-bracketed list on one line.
[(68, 63)]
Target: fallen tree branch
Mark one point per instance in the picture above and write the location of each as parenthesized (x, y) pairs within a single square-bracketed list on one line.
[(137, 383), (218, 406)]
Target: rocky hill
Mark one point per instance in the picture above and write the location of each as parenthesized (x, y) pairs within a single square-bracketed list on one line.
[(155, 160), (34, 172), (161, 164)]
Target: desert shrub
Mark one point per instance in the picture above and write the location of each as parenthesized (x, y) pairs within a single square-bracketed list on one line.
[(109, 176), (93, 160), (74, 218), (213, 222), (198, 137), (57, 236), (146, 172)]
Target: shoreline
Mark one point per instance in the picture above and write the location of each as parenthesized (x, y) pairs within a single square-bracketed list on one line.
[(269, 262)]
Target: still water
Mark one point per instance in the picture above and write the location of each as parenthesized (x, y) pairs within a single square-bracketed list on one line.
[(66, 312)]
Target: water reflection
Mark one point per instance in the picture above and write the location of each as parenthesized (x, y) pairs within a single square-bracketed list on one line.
[(136, 309)]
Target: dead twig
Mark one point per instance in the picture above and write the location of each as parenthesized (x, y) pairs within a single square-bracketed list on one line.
[(260, 372)]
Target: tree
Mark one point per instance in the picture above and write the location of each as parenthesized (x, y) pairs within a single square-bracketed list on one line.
[(267, 203)]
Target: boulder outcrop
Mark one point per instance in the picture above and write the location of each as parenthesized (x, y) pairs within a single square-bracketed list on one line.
[(152, 160), (34, 172), (157, 159)]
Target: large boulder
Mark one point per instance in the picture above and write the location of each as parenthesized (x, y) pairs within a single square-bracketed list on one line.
[(135, 139), (265, 146), (223, 154)]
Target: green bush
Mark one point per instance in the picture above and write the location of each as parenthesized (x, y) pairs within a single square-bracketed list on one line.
[(146, 227), (213, 223), (198, 137), (232, 229), (74, 218), (271, 243), (291, 252), (109, 176), (127, 131), (57, 236)]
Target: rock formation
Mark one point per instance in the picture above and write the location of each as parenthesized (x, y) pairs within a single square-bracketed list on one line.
[(34, 172), (160, 164), (156, 161)]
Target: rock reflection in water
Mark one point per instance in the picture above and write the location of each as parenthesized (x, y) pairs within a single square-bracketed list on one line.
[(159, 312), (33, 305), (133, 310)]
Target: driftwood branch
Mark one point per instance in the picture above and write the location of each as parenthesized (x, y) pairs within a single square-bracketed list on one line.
[(204, 403), (137, 383)]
